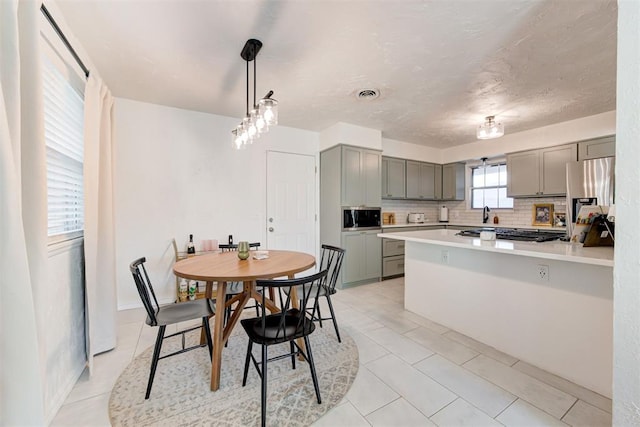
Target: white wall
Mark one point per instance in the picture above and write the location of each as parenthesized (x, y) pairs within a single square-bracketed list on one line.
[(345, 133), (405, 150), (176, 173), (626, 273)]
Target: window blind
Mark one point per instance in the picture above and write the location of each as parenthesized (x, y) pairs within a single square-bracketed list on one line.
[(63, 128)]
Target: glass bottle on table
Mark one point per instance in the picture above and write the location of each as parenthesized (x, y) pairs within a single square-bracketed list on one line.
[(191, 249)]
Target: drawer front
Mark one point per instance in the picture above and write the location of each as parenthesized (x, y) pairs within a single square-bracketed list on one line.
[(392, 266), (391, 247)]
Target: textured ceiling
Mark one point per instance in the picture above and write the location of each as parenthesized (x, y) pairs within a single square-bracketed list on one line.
[(440, 66)]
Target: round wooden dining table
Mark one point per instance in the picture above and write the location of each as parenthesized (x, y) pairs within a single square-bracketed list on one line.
[(227, 267)]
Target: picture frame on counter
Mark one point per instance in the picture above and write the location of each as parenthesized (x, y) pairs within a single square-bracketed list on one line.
[(559, 219), (543, 214)]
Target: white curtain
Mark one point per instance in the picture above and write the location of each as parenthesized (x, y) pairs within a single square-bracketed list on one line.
[(23, 226), (99, 239)]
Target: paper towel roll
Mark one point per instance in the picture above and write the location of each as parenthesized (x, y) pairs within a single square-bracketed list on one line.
[(444, 214)]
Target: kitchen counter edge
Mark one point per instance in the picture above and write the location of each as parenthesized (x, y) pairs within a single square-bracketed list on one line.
[(474, 225), (554, 250)]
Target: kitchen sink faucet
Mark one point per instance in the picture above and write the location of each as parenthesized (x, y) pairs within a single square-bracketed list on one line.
[(485, 214)]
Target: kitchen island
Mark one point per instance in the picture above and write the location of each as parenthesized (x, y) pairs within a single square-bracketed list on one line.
[(549, 304)]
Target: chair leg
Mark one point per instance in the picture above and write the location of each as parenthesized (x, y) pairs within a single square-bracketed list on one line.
[(319, 314), (264, 386), (312, 367), (293, 355), (333, 317), (154, 360), (207, 330), (246, 363)]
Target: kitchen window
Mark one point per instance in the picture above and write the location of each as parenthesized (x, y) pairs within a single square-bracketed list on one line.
[(64, 138), (489, 187)]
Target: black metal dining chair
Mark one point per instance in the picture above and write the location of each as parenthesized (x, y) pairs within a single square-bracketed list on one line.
[(285, 326), (331, 260), (162, 316)]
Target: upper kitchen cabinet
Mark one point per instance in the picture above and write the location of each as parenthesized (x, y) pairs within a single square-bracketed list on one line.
[(438, 182), (453, 181), (393, 178), (421, 180), (360, 176), (539, 172), (597, 148)]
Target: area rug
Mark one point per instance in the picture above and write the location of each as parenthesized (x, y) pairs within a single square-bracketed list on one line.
[(181, 396)]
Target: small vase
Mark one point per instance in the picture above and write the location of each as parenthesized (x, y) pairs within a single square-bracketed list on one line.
[(243, 250)]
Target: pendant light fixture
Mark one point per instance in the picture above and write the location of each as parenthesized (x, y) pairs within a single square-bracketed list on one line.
[(490, 129), (262, 114)]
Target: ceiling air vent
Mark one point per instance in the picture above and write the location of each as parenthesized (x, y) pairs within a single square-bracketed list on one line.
[(368, 94)]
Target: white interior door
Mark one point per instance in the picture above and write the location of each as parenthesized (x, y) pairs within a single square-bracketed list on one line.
[(291, 202)]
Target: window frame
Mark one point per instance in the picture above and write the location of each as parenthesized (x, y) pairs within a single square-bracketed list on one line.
[(493, 163)]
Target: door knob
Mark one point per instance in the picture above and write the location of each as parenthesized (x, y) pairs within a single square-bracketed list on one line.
[(271, 229)]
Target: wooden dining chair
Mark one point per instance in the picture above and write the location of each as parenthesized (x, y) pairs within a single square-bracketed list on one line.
[(169, 315), (285, 326)]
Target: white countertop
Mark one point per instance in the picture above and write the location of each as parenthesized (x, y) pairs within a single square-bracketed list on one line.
[(472, 224), (556, 250)]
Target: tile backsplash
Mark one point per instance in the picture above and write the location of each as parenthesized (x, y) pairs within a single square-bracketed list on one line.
[(519, 216)]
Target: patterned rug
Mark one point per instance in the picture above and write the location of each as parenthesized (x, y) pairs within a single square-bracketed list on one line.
[(181, 397)]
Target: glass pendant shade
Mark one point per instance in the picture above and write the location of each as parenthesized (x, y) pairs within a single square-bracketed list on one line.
[(254, 129), (269, 110), (490, 129)]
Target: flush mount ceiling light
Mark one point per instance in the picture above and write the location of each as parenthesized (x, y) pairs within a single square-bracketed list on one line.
[(262, 115), (490, 129)]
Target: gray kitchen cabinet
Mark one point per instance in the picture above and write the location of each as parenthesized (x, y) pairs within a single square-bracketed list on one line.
[(453, 181), (362, 258), (421, 180), (393, 178), (539, 172), (393, 253), (597, 148), (393, 250), (361, 175), (438, 182)]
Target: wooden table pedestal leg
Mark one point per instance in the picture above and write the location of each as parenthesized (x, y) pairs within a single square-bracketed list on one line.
[(218, 340)]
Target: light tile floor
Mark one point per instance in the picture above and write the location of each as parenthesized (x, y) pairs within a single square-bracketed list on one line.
[(413, 372)]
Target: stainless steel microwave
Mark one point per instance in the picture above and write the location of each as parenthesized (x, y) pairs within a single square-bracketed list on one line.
[(360, 218)]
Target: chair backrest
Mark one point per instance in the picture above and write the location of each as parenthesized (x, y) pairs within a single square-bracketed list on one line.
[(178, 256), (289, 325), (145, 290), (331, 260), (234, 247)]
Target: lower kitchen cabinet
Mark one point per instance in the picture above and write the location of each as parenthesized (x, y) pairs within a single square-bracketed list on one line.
[(393, 250), (362, 258), (393, 266)]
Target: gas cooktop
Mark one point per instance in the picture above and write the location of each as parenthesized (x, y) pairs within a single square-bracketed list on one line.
[(515, 234)]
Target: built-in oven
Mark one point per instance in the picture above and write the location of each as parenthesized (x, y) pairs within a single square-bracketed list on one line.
[(360, 218)]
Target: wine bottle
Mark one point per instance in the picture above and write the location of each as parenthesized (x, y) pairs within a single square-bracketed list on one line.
[(190, 248), (230, 239)]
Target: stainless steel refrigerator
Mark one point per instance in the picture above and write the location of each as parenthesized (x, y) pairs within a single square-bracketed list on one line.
[(589, 182)]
